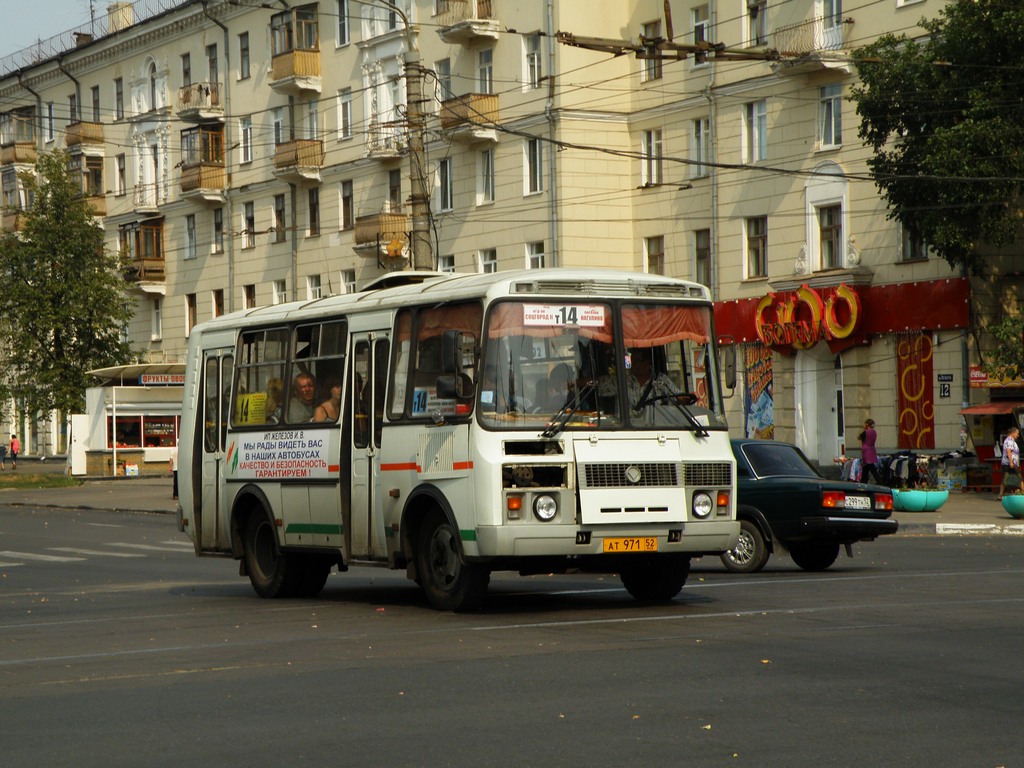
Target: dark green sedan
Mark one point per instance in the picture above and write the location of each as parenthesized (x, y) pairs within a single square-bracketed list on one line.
[(784, 505)]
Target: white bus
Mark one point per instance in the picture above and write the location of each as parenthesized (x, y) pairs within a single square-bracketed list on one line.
[(537, 421)]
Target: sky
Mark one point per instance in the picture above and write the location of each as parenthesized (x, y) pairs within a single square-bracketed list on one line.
[(25, 22)]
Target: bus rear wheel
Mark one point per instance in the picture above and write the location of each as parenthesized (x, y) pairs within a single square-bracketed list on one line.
[(655, 578), (271, 573), (449, 583)]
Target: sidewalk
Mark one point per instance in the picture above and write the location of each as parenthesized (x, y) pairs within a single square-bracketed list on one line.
[(963, 514)]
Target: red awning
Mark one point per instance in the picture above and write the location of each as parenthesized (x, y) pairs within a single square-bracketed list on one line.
[(997, 407)]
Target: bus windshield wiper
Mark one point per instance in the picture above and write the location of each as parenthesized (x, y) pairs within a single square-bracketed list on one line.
[(661, 394), (561, 417)]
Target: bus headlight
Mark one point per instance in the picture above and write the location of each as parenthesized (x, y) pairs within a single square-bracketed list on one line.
[(702, 505), (545, 508)]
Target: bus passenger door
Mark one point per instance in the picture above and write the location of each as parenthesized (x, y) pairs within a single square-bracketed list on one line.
[(369, 364), (218, 366)]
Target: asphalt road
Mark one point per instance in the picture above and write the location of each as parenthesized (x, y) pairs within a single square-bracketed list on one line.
[(119, 648)]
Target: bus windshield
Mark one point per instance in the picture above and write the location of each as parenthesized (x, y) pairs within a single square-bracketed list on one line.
[(600, 365)]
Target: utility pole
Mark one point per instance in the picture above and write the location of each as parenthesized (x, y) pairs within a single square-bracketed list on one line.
[(419, 239)]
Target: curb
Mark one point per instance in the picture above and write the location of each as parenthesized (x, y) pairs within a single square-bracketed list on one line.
[(961, 529)]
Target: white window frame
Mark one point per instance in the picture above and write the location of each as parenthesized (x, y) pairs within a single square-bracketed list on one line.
[(190, 236), (217, 240), (279, 291), (752, 269), (533, 167), (249, 224), (830, 116), (245, 140), (346, 205), (50, 134), (757, 24), (488, 260), (485, 177), (485, 70), (445, 185), (825, 188), (755, 131), (446, 262), (700, 148), (654, 247), (443, 72), (651, 69), (535, 255), (277, 123), (244, 56), (344, 30), (314, 287), (700, 21), (533, 68), (344, 114), (313, 120), (652, 164), (348, 279), (120, 174), (912, 252), (156, 318)]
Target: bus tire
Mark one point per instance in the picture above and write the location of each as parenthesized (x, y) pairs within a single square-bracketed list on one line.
[(315, 571), (449, 583), (271, 573), (655, 578)]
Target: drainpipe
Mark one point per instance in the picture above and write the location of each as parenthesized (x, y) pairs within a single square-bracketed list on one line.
[(549, 111), (38, 128), (228, 208), (78, 89), (713, 271)]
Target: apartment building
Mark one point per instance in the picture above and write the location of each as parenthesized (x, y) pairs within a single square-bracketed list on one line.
[(241, 155)]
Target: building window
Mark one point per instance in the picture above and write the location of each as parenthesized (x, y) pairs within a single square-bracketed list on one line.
[(248, 296), (118, 98), (446, 191), (186, 69), (830, 228), (96, 111), (280, 291), (651, 67), (280, 221), (343, 24), (654, 256), (532, 52), (348, 279), (121, 179), (345, 114), (830, 116), (313, 120), (50, 133), (277, 121), (245, 140), (534, 167), (757, 27), (702, 256), (314, 288), (701, 32), (217, 301), (190, 312), (535, 256), (249, 225), (485, 70), (243, 56), (650, 174), (755, 131), (218, 230), (446, 263), (73, 116), (443, 73), (757, 246), (314, 211), (395, 191), (485, 178), (348, 216), (700, 148), (156, 319), (212, 67), (913, 247), (489, 260), (190, 236)]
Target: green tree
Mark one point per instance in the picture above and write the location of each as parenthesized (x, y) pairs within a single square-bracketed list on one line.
[(945, 118), (63, 298)]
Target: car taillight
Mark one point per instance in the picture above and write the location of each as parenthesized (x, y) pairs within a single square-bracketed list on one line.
[(883, 501), (833, 499)]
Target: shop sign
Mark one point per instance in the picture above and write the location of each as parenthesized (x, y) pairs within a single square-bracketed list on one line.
[(161, 379), (980, 379), (801, 319)]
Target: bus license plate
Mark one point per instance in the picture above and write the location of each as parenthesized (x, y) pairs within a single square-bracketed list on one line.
[(631, 544)]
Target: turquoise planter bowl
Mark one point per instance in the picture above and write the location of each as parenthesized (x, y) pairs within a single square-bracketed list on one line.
[(1014, 505), (914, 500)]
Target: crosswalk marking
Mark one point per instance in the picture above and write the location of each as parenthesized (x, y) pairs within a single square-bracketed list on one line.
[(42, 558), (149, 547), (96, 552), (9, 565)]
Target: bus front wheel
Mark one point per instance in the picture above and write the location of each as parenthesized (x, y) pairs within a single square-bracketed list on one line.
[(655, 578), (270, 573), (450, 583)]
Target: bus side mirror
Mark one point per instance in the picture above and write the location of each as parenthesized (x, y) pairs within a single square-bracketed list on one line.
[(730, 366), (459, 386), (457, 351)]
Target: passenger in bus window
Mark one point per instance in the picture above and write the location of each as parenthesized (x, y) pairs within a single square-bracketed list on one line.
[(330, 408), (275, 400), (303, 395)]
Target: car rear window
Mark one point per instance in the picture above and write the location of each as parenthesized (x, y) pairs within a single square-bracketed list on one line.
[(769, 459)]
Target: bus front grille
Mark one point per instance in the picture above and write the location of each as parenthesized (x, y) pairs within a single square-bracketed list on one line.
[(629, 475), (707, 474)]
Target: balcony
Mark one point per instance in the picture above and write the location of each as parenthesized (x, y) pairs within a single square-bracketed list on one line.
[(18, 152), (84, 137), (146, 199), (146, 271), (818, 44), (204, 182), (383, 236), (296, 72), (97, 204), (385, 141), (465, 21), (299, 160), (471, 117), (12, 220), (200, 103)]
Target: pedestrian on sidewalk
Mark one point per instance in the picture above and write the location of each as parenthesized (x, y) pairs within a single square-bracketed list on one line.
[(174, 471), (1010, 463), (3, 456), (15, 448), (868, 454)]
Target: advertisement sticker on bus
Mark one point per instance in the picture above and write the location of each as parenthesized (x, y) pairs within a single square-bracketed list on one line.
[(280, 455)]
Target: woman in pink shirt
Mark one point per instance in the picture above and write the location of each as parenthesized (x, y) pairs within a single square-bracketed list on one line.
[(868, 454)]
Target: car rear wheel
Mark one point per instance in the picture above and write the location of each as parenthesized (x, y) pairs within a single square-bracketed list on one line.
[(814, 557), (751, 550)]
